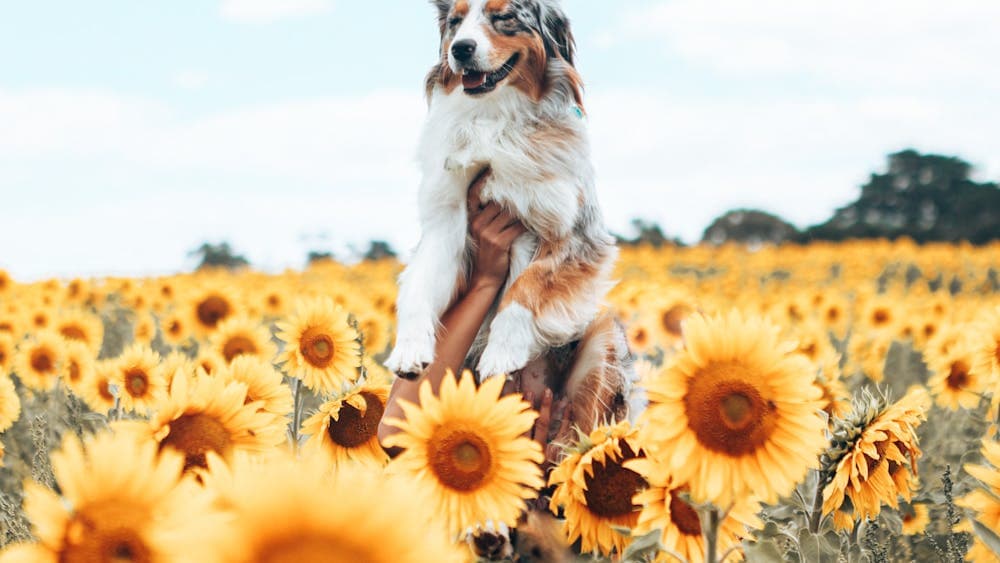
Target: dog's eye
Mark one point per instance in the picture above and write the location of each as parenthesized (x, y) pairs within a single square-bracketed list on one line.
[(503, 17), (453, 22)]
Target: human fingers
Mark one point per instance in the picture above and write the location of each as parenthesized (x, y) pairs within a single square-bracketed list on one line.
[(484, 217), (499, 222), (510, 234)]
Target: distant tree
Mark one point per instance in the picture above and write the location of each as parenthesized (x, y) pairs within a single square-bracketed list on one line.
[(378, 250), (926, 197), (218, 256), (647, 233), (750, 226), (319, 256)]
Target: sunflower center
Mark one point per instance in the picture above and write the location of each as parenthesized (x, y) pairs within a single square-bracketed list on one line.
[(728, 391), (461, 459), (684, 516), (610, 489), (317, 347), (73, 332), (958, 375), (104, 389), (310, 548), (832, 314), (673, 317), (41, 361), (74, 370), (880, 317), (212, 309), (196, 434), (996, 351), (873, 463), (640, 337), (174, 328), (238, 346), (352, 428), (136, 382), (107, 532)]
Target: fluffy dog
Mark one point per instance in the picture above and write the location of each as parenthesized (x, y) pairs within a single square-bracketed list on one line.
[(506, 99)]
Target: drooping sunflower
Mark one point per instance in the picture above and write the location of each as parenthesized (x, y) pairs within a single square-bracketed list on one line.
[(321, 347), (595, 489), (264, 384), (212, 416), (80, 326), (346, 428), (95, 388), (957, 380), (121, 501), (10, 403), (139, 376), (873, 456), (467, 448), (287, 510), (39, 361), (735, 412), (240, 336), (664, 508)]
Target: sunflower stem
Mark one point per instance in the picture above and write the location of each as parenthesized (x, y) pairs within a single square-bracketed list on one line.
[(816, 516), (711, 535), (297, 417)]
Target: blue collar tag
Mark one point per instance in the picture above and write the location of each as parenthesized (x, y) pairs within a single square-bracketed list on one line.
[(577, 111)]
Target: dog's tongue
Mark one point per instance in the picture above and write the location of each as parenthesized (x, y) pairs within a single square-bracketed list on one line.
[(473, 80)]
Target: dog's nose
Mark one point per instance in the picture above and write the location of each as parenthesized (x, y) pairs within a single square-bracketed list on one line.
[(462, 50)]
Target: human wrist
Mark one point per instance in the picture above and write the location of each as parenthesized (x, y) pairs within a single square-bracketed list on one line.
[(481, 282)]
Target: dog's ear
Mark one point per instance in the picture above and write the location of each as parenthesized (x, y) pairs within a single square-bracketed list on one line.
[(443, 7), (556, 32)]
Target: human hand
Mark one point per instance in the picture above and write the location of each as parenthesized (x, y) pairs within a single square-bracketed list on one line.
[(493, 230), (540, 432)]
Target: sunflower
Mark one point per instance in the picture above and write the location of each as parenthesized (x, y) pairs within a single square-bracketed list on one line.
[(321, 346), (915, 518), (264, 384), (10, 403), (140, 378), (595, 489), (869, 354), (209, 306), (985, 502), (39, 361), (664, 508), (873, 456), (290, 510), (175, 328), (96, 386), (735, 412), (79, 363), (80, 326), (209, 362), (122, 501), (7, 349), (212, 416), (957, 380), (240, 336), (988, 343), (346, 428), (144, 329), (467, 448)]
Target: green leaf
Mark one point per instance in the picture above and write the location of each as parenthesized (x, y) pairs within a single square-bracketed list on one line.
[(989, 537), (763, 552), (643, 547)]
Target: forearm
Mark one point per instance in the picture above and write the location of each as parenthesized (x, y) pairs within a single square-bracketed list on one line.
[(459, 326)]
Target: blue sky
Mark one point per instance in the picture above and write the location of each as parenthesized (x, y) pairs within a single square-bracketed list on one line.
[(132, 131)]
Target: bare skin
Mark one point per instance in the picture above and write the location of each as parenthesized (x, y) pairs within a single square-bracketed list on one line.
[(494, 230)]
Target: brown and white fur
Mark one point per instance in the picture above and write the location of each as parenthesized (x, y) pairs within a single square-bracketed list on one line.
[(510, 103)]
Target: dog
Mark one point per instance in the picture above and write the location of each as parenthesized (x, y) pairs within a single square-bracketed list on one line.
[(505, 98)]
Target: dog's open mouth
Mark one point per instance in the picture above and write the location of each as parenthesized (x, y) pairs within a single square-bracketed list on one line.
[(476, 82)]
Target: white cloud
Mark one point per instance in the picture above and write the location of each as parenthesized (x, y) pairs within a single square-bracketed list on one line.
[(883, 43), (265, 11), (190, 80)]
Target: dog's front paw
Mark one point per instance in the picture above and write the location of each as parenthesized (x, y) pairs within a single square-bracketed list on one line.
[(412, 355), (511, 343)]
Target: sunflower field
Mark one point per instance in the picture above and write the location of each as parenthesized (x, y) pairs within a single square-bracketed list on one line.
[(828, 402)]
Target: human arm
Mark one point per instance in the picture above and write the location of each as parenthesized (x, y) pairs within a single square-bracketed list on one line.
[(493, 230)]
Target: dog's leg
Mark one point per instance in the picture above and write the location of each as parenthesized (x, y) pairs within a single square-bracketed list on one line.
[(550, 303), (600, 381), (428, 285)]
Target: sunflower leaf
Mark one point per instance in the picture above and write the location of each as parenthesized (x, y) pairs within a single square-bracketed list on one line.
[(643, 547)]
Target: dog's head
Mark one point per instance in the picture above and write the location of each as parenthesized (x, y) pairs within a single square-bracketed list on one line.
[(491, 44)]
